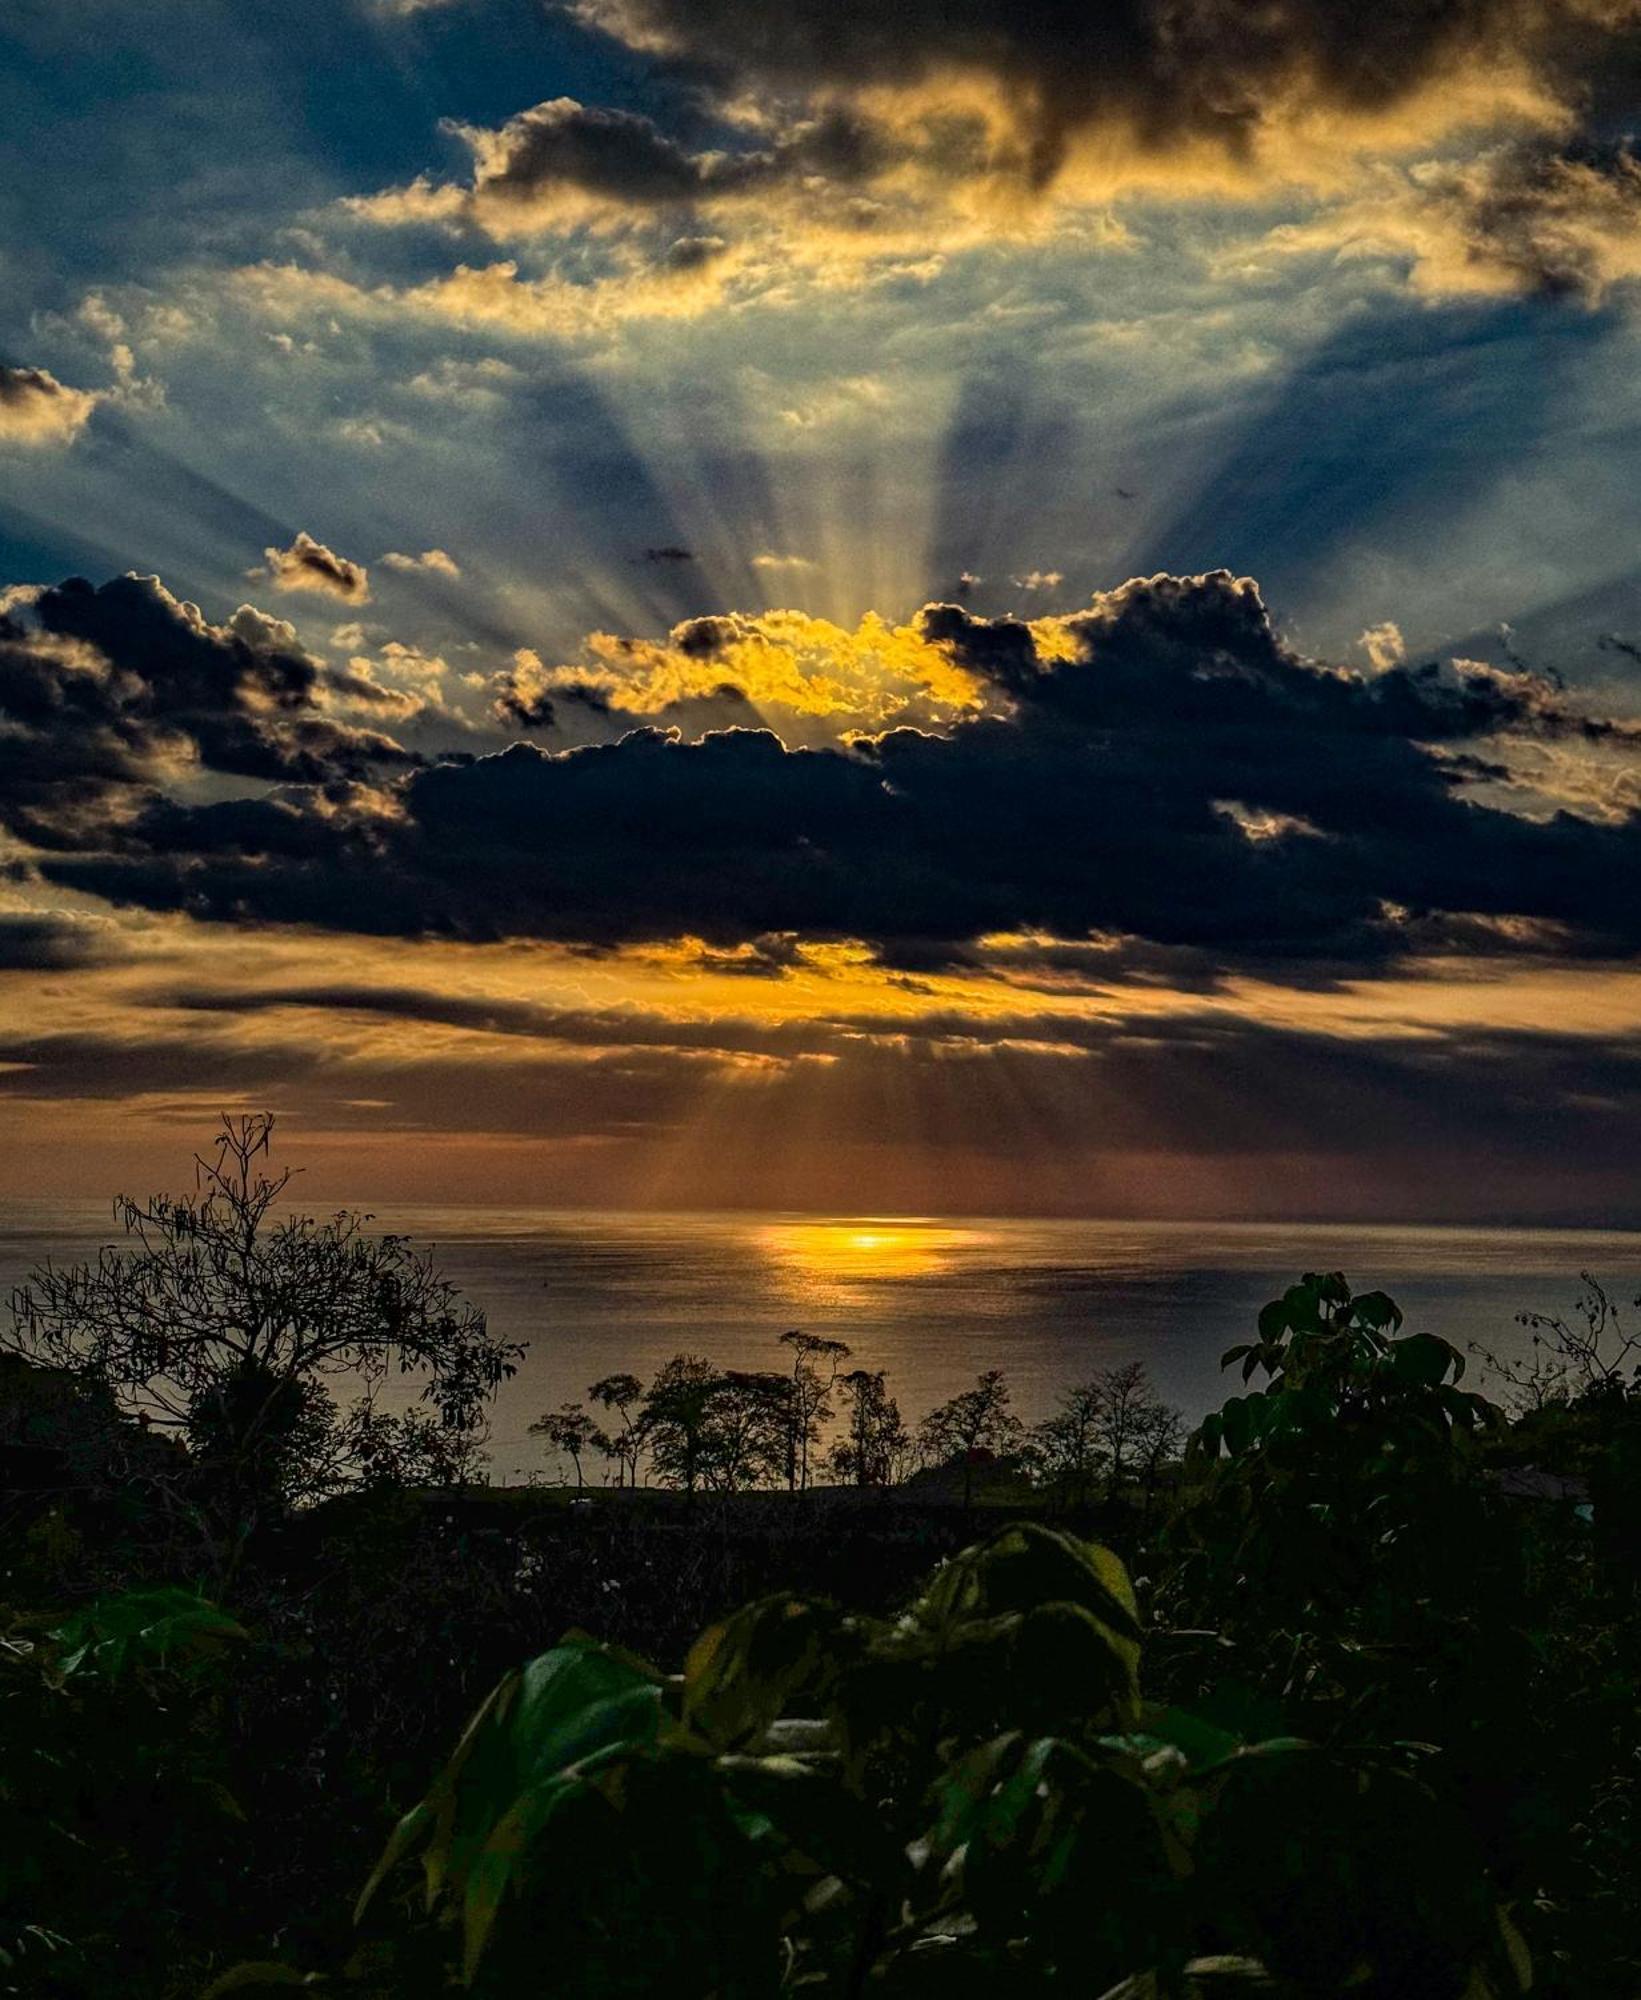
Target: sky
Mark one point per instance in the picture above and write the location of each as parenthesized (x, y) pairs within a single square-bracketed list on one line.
[(975, 606)]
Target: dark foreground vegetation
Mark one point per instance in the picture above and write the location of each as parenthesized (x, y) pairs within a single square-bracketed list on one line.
[(1335, 1696)]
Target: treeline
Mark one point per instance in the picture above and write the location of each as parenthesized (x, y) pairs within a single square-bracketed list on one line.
[(701, 1428)]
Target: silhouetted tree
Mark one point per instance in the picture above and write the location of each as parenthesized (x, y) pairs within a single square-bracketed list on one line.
[(979, 1420), (570, 1431), (222, 1322), (1125, 1398), (874, 1438), (1159, 1434), (748, 1430), (1585, 1356), (674, 1423), (623, 1394), (1067, 1444), (815, 1366)]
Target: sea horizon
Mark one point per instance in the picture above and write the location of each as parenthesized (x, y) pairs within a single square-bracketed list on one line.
[(932, 1299)]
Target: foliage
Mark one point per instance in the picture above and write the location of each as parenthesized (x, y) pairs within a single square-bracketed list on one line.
[(1335, 1507), (974, 1792), (222, 1323), (720, 1429), (1364, 1725), (112, 1792)]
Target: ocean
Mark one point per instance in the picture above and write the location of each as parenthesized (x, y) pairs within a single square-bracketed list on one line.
[(931, 1299)]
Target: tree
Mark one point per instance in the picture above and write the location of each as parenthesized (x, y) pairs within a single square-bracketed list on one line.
[(979, 1420), (874, 1437), (569, 1430), (674, 1423), (623, 1394), (1068, 1443), (811, 1398), (1125, 1417), (413, 1449), (1158, 1433), (748, 1432), (224, 1322), (722, 1429)]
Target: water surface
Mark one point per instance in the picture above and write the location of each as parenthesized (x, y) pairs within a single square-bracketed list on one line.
[(933, 1300)]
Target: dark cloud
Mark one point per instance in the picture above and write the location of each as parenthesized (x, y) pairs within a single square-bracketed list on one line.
[(522, 700), (1175, 774), (618, 155), (53, 941), (107, 691), (623, 158), (1161, 74), (669, 552)]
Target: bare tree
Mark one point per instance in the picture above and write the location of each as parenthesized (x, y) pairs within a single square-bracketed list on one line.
[(1586, 1355), (223, 1322), (1125, 1396), (1158, 1433)]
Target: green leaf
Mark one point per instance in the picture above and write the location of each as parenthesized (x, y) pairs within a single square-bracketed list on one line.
[(1073, 1661), (1423, 1359), (556, 1716), (813, 1812), (1377, 1309), (1026, 1565), (740, 1675), (167, 1627), (1237, 1421), (1203, 1744)]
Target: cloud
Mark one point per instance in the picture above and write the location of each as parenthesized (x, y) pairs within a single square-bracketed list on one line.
[(56, 941), (38, 410), (1060, 1107), (1160, 765), (1384, 645), (430, 559), (787, 661), (309, 566), (1038, 579), (1052, 89), (1559, 222), (562, 162), (108, 693)]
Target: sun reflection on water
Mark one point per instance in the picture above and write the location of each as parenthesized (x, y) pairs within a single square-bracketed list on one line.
[(865, 1249)]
